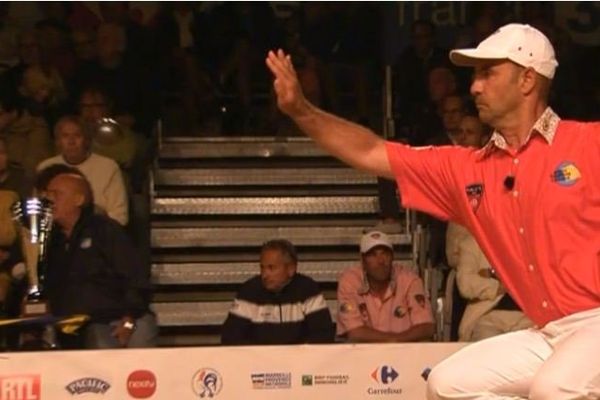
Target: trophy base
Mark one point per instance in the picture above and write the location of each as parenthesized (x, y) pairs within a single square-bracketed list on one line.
[(35, 305)]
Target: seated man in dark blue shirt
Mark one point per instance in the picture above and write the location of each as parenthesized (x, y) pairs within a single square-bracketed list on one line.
[(279, 306), (93, 269)]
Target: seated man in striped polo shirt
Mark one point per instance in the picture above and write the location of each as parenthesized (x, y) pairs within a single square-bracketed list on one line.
[(279, 306)]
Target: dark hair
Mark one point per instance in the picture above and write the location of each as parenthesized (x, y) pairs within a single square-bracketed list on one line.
[(97, 90), (286, 248)]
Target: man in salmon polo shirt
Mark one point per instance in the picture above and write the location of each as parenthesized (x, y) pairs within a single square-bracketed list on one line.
[(531, 198), (380, 301)]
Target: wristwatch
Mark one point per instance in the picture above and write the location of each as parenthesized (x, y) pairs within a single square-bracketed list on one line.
[(129, 325)]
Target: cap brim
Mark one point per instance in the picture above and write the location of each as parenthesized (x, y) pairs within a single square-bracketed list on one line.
[(472, 57)]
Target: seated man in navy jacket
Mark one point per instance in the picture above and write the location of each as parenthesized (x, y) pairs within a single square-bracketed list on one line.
[(93, 269)]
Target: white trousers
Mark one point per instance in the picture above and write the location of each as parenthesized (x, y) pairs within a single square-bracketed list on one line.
[(560, 361)]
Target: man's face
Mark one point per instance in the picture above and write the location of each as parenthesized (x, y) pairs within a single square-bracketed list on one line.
[(377, 264), (92, 107), (452, 112), (422, 39), (275, 270), (66, 198), (441, 83), (71, 142), (470, 132), (495, 89)]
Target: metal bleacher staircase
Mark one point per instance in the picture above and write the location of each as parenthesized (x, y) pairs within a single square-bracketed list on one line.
[(214, 201)]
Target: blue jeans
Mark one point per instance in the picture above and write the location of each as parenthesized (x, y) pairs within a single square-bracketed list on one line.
[(99, 336)]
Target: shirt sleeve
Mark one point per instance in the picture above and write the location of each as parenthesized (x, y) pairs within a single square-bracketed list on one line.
[(418, 303), (117, 206), (428, 178), (319, 326), (235, 330), (348, 316), (131, 271)]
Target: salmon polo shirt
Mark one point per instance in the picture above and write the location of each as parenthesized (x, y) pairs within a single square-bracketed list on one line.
[(404, 304), (534, 211)]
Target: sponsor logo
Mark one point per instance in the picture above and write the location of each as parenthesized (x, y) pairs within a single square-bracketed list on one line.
[(272, 380), (566, 174), (207, 383), (399, 312), (20, 387), (384, 375), (88, 385), (141, 384), (331, 379), (474, 193)]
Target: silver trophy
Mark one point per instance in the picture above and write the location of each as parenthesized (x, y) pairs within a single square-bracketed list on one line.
[(34, 217)]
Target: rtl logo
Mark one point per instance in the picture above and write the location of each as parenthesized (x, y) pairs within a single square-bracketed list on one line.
[(20, 387), (141, 384)]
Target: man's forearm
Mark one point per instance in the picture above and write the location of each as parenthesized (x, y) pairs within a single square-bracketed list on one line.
[(346, 140), (369, 335)]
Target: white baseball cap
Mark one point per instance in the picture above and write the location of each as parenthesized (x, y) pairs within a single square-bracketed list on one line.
[(373, 239), (522, 44)]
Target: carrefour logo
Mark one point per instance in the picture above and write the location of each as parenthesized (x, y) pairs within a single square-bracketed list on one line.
[(384, 374)]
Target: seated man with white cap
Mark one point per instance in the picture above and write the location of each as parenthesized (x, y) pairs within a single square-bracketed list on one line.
[(382, 302)]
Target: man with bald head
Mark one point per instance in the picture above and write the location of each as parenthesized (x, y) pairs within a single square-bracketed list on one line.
[(93, 269)]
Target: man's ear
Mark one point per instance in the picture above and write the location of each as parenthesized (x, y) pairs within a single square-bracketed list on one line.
[(80, 200), (528, 81)]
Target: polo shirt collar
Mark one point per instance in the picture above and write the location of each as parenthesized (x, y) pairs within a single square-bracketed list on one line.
[(545, 126)]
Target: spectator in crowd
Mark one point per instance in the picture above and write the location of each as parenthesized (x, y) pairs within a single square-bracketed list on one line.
[(380, 301), (490, 311), (413, 70), (29, 54), (12, 176), (12, 270), (472, 132), (26, 137), (93, 269), (121, 77), (43, 92), (8, 236), (184, 29), (452, 111), (279, 306), (73, 144), (121, 143)]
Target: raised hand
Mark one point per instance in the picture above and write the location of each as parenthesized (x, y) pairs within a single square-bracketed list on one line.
[(290, 98)]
